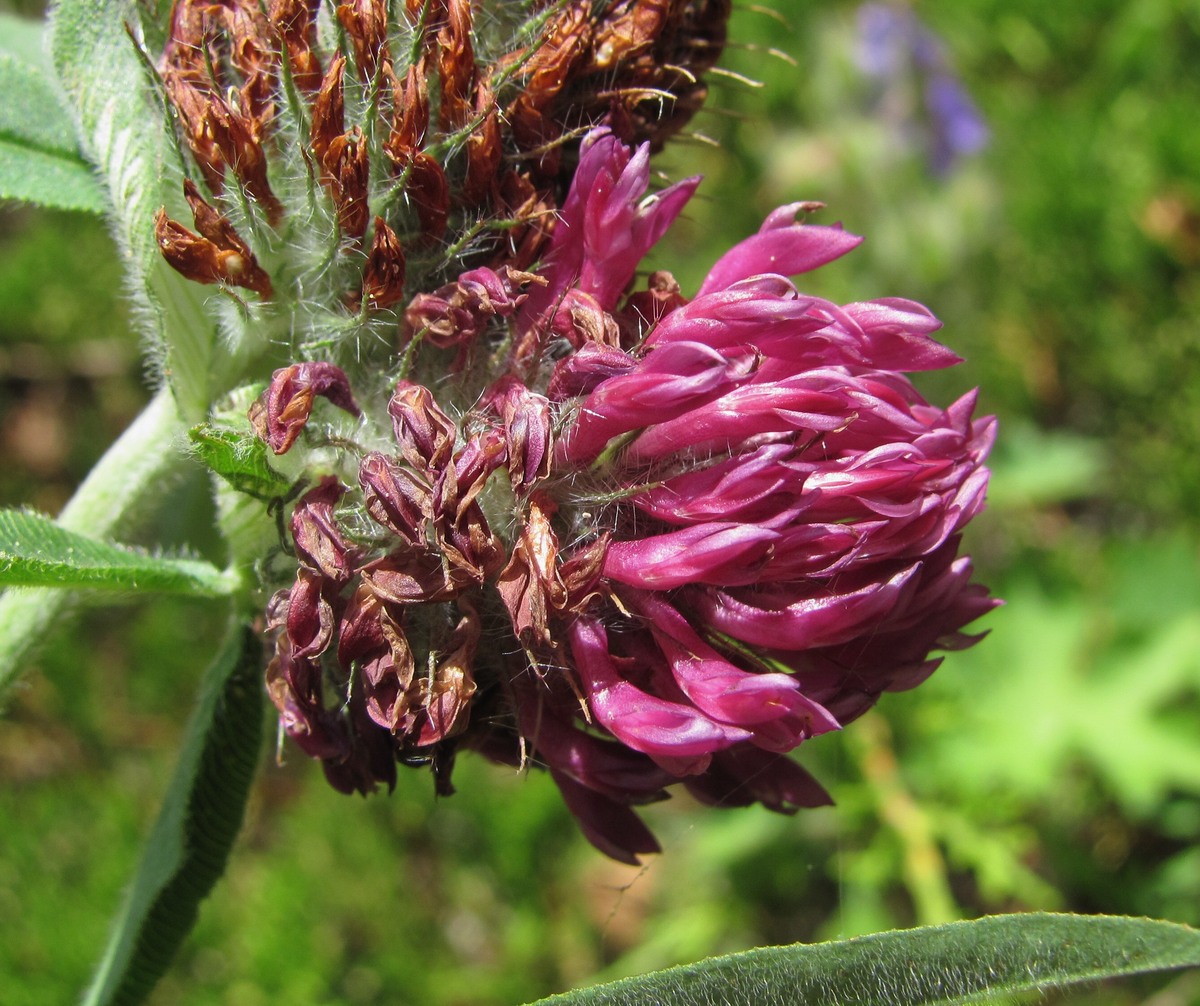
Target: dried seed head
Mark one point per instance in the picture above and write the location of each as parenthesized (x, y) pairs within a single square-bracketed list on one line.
[(237, 136), (216, 255), (218, 70), (456, 67), (295, 23), (485, 151), (366, 23), (383, 278), (328, 113), (410, 122), (345, 163)]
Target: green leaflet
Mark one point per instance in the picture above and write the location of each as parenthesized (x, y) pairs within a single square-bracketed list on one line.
[(200, 818), (957, 963), (37, 552), (39, 155), (240, 459)]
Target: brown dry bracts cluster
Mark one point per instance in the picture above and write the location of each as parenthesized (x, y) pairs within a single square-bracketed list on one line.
[(454, 123), (217, 254)]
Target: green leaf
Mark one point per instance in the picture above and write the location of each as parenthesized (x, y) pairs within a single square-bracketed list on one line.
[(54, 181), (32, 112), (957, 963), (188, 848), (240, 459), (124, 485), (126, 132), (37, 552), (39, 152)]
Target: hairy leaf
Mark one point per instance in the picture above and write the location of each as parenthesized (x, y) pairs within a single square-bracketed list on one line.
[(187, 850), (240, 459), (24, 38), (39, 153), (957, 963), (125, 131), (54, 181), (37, 552)]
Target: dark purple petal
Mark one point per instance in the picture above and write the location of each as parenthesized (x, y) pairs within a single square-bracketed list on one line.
[(319, 541), (611, 827), (744, 775), (424, 432), (584, 370), (527, 432), (310, 616), (282, 411), (394, 496)]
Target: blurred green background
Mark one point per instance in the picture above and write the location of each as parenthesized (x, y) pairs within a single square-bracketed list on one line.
[(1055, 766)]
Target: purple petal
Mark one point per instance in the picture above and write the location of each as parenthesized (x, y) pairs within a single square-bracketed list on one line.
[(787, 251), (728, 693), (720, 552), (805, 405), (667, 383), (748, 488), (833, 616), (611, 827), (678, 737)]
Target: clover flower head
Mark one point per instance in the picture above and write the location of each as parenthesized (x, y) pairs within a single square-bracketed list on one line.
[(663, 541)]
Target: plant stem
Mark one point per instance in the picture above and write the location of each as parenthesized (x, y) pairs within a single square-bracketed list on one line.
[(925, 873), (124, 482)]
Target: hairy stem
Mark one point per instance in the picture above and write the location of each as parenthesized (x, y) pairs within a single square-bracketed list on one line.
[(123, 484)]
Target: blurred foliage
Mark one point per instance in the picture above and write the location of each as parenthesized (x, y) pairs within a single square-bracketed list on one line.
[(1055, 766)]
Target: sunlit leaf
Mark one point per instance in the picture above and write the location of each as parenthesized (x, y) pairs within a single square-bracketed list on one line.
[(34, 176), (37, 552), (124, 484), (956, 963)]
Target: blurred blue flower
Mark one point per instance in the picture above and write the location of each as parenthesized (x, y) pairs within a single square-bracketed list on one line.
[(916, 88)]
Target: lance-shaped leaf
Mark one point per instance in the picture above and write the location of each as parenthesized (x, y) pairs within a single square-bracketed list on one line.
[(957, 963), (37, 552), (39, 155), (124, 130), (187, 850)]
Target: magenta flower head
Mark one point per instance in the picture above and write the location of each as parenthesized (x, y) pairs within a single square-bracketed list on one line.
[(668, 542)]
